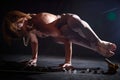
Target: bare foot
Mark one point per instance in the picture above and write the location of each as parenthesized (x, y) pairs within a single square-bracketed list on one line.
[(106, 48)]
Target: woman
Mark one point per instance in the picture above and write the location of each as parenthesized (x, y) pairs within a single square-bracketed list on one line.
[(66, 28)]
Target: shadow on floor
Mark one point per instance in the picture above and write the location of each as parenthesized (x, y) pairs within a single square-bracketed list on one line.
[(19, 71)]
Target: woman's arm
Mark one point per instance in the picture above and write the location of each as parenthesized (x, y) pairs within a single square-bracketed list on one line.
[(34, 46)]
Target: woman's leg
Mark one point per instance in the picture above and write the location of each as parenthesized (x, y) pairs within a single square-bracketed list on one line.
[(79, 32)]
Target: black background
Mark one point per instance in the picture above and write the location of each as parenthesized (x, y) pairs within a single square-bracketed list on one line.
[(95, 12)]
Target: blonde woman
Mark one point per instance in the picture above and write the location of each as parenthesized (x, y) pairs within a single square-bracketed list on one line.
[(65, 29)]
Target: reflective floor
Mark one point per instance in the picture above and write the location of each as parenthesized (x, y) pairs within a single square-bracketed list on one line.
[(14, 71)]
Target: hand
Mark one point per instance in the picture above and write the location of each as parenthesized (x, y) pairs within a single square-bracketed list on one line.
[(32, 62), (66, 66)]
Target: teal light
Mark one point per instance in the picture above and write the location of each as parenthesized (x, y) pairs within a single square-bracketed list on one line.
[(111, 16)]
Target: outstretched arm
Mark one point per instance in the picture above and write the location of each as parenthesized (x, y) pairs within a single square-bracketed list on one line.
[(68, 54), (34, 46)]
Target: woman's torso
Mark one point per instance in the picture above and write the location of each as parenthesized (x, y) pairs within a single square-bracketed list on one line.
[(46, 23)]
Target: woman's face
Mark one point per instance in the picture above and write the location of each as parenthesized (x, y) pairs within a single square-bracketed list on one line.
[(20, 23)]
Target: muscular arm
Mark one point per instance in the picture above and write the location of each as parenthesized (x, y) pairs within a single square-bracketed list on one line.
[(68, 52), (34, 46)]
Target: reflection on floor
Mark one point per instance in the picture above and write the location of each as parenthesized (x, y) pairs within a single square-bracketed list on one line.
[(47, 69)]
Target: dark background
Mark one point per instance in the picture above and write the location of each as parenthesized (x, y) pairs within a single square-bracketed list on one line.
[(102, 15)]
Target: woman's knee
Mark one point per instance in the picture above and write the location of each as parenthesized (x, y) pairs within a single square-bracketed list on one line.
[(75, 16), (74, 21)]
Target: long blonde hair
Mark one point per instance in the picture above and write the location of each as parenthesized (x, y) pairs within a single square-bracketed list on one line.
[(10, 30)]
